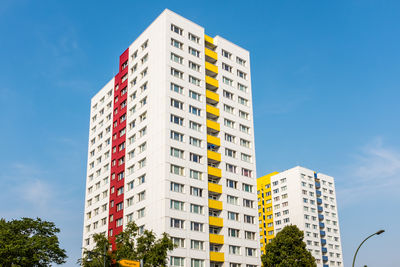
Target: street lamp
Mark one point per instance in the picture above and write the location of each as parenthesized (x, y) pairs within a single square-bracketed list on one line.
[(100, 254), (355, 255)]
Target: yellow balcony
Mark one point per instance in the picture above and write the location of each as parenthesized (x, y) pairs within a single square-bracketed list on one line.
[(214, 171), (217, 256), (215, 188), (216, 221), (211, 82), (213, 125), (211, 68), (211, 54), (212, 110), (208, 39), (213, 140), (216, 239), (214, 97), (215, 204), (213, 155)]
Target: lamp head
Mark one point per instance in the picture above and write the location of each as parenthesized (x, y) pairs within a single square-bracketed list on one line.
[(380, 232)]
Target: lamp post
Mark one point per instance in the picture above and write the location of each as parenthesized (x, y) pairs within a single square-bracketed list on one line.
[(99, 254), (355, 255)]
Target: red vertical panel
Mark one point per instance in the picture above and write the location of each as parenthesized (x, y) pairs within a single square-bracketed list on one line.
[(118, 150)]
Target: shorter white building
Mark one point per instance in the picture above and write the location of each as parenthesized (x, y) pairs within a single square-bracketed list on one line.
[(307, 199)]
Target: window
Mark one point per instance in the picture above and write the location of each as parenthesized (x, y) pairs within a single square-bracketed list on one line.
[(235, 250), (177, 261), (194, 110), (141, 213), (247, 188), (243, 101), (248, 203), (179, 242), (230, 168), (143, 73), (196, 244), (196, 263), (248, 219), (142, 163), (120, 191), (195, 158), (229, 138), (241, 74), (177, 187), (177, 223), (250, 235), (228, 95), (231, 183), (176, 29), (230, 153), (177, 120), (176, 73), (196, 226), (196, 209), (177, 170), (233, 216), (226, 67), (195, 126), (251, 252), (233, 232), (176, 43), (232, 200), (120, 206), (194, 52), (193, 38), (242, 87), (142, 147), (244, 129), (243, 115), (226, 54), (229, 123), (176, 58), (144, 45), (194, 66), (176, 103), (177, 205), (195, 174), (195, 191), (244, 143), (177, 136), (143, 131), (195, 142), (240, 61), (194, 95), (142, 196), (175, 152), (228, 109), (144, 59), (176, 88), (227, 81), (194, 80), (245, 157)]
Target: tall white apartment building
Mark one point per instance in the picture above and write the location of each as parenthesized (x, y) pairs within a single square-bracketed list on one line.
[(171, 146), (307, 199)]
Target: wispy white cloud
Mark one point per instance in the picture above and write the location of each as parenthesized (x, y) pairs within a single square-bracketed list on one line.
[(38, 193), (374, 171)]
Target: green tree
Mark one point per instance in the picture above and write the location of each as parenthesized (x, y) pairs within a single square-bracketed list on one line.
[(288, 249), (29, 242), (130, 245)]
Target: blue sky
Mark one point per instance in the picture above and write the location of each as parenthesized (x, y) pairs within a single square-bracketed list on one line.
[(326, 94)]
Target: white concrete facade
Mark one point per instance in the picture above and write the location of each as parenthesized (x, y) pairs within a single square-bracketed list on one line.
[(165, 154), (307, 199)]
